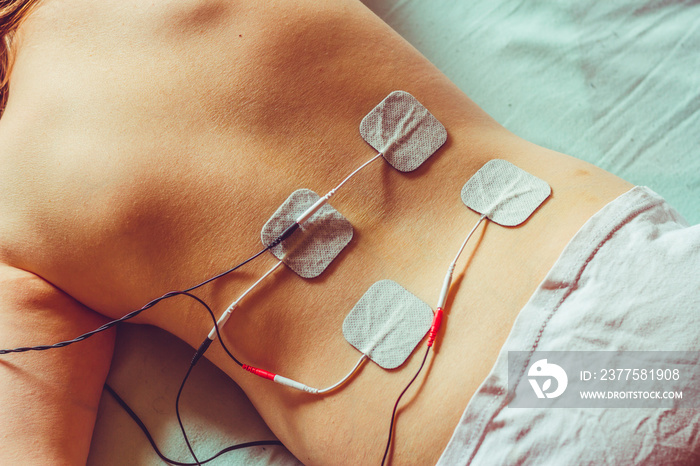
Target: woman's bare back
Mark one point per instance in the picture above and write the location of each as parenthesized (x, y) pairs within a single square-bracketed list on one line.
[(144, 146)]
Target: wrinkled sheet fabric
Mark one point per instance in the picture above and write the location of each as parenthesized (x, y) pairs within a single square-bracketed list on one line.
[(629, 280)]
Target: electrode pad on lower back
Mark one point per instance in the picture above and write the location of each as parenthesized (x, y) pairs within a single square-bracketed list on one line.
[(319, 240), (504, 193), (387, 323), (403, 130)]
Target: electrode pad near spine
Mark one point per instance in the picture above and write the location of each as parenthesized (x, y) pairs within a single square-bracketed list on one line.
[(387, 323), (504, 193), (319, 240), (403, 131)]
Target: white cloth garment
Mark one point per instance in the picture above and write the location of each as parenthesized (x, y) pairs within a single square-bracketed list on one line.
[(628, 280)]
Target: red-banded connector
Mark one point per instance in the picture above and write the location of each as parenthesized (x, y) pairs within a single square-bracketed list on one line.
[(437, 320), (259, 372), (279, 379)]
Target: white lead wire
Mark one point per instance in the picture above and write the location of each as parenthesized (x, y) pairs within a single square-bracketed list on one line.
[(448, 277), (227, 313), (341, 382), (318, 391), (355, 172), (318, 204), (464, 244)]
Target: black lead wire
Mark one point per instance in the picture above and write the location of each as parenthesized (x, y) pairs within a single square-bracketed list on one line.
[(179, 418), (286, 234), (193, 362), (198, 354), (144, 429), (396, 405), (203, 347)]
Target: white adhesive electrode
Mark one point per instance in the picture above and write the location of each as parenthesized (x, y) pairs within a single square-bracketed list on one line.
[(403, 131), (387, 323), (321, 237), (504, 193)]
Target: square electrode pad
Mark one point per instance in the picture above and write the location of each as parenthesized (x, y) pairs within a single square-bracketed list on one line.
[(317, 242), (404, 131), (387, 323), (504, 193)]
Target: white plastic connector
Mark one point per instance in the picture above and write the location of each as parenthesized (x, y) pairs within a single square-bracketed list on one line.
[(450, 270), (314, 208), (294, 384), (446, 286), (222, 320)]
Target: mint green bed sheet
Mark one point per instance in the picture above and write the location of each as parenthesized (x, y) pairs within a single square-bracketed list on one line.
[(615, 83)]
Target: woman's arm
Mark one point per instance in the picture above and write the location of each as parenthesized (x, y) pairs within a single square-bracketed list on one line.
[(48, 399)]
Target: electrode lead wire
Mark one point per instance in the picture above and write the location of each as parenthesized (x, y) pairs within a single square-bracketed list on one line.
[(193, 362), (450, 270), (396, 405), (362, 359), (265, 275), (139, 422), (132, 314), (464, 244), (229, 310), (182, 386), (179, 418), (357, 170), (189, 370), (323, 200)]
